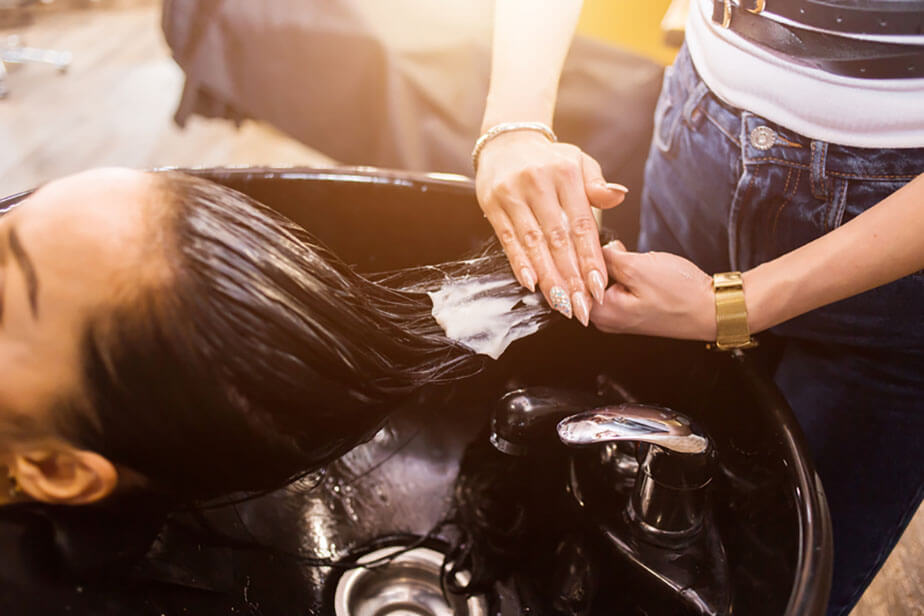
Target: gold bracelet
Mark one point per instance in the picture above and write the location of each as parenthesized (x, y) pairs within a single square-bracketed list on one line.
[(731, 314), (507, 127)]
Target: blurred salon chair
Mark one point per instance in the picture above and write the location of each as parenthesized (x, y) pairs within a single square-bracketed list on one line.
[(399, 84), (674, 22), (12, 49)]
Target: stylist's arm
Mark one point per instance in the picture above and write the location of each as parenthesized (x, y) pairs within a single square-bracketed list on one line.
[(660, 294), (536, 193)]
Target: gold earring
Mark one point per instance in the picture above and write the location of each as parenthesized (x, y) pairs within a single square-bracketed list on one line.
[(14, 490)]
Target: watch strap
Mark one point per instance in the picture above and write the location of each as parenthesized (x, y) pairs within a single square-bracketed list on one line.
[(731, 315)]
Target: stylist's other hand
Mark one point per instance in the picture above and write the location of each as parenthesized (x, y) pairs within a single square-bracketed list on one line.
[(538, 195), (656, 294)]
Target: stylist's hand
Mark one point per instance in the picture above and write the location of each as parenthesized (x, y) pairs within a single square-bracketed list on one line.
[(537, 195), (657, 294)]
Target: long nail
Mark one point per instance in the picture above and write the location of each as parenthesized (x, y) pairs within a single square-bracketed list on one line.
[(527, 279), (560, 302), (581, 309), (615, 186), (597, 286)]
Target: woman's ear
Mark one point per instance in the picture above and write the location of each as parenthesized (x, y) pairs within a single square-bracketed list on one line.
[(62, 475)]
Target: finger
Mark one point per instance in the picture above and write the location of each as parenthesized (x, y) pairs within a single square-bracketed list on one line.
[(600, 193), (620, 263), (554, 291), (516, 255), (616, 245), (556, 225), (544, 201), (532, 239), (585, 237), (613, 316)]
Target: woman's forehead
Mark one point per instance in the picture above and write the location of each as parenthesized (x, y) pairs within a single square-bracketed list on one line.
[(93, 216), (111, 193)]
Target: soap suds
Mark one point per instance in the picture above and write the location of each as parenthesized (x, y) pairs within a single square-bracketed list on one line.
[(486, 315)]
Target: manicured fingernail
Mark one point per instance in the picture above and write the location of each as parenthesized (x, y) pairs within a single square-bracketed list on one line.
[(615, 245), (615, 186), (581, 309), (527, 279), (560, 302), (597, 286)]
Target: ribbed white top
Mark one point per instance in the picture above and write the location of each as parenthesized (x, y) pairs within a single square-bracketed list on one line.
[(868, 113)]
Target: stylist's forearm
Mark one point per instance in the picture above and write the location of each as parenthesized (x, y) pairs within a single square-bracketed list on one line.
[(531, 40), (883, 244)]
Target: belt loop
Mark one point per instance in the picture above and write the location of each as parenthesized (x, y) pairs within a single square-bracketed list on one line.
[(819, 179), (722, 12), (691, 112)]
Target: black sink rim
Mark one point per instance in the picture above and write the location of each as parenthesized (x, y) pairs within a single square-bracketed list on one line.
[(810, 589)]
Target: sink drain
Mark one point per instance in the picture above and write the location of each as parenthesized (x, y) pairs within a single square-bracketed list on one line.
[(408, 585)]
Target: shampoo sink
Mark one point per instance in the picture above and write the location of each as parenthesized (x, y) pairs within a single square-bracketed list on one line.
[(733, 480)]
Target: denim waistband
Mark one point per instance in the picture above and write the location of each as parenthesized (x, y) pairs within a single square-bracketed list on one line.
[(764, 142)]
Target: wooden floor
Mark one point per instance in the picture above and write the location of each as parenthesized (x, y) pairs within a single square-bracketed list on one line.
[(115, 107)]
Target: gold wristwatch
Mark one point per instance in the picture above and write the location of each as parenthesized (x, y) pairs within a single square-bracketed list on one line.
[(731, 315)]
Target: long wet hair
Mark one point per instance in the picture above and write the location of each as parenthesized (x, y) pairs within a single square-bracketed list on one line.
[(263, 356)]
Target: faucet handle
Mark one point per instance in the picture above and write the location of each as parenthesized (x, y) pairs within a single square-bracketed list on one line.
[(668, 500), (524, 416), (633, 422)]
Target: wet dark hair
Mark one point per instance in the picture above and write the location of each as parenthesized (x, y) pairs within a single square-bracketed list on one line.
[(261, 355)]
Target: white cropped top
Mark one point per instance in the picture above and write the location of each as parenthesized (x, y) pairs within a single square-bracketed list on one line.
[(868, 113)]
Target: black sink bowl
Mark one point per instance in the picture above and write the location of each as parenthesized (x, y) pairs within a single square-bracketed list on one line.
[(272, 555)]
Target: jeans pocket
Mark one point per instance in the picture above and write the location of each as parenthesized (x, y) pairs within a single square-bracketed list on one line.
[(887, 316), (801, 217), (667, 113), (862, 194)]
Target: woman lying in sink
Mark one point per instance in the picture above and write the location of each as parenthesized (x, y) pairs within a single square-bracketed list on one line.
[(164, 333)]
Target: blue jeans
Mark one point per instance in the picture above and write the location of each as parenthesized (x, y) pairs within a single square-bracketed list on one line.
[(730, 190)]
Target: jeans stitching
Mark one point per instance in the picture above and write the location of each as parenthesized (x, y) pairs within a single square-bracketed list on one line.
[(839, 204), (692, 103), (782, 161), (787, 197), (813, 177), (786, 141), (864, 176), (843, 174), (734, 231), (719, 126), (818, 180), (823, 167), (661, 107), (662, 112)]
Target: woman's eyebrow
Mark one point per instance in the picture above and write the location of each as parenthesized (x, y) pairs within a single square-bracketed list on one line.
[(27, 267)]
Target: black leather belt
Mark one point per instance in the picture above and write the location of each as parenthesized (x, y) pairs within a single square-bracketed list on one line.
[(834, 54), (854, 16)]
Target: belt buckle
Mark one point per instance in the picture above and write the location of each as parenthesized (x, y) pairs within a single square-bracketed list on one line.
[(756, 9), (726, 13)]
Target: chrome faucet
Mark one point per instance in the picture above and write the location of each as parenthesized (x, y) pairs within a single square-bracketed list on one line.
[(643, 482), (676, 460)]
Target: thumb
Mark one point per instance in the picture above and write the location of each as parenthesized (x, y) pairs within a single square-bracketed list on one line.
[(601, 194), (615, 245), (618, 261)]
